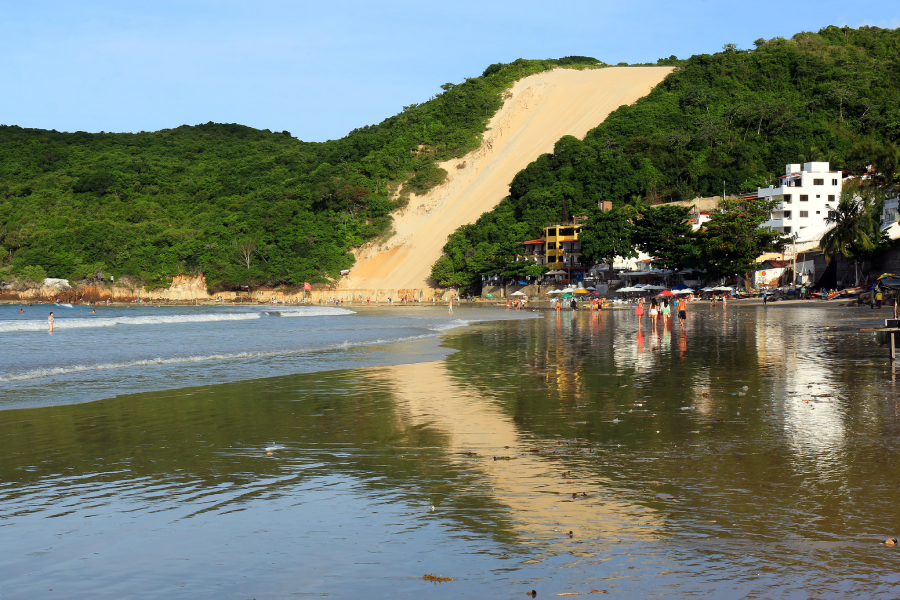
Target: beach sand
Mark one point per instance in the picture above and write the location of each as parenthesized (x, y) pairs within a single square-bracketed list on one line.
[(541, 109)]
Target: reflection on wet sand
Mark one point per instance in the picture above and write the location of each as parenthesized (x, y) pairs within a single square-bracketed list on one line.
[(546, 499)]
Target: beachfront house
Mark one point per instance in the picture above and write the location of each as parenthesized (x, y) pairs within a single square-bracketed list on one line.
[(806, 195), (558, 249)]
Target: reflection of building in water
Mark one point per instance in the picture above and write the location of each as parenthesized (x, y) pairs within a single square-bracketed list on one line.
[(531, 485), (789, 351)]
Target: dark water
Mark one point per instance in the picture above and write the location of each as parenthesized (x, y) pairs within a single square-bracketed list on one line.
[(753, 456)]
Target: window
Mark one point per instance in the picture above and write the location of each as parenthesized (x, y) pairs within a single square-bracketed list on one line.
[(551, 245), (787, 198), (787, 214), (804, 214), (567, 231), (834, 182), (804, 197), (787, 230), (818, 182), (831, 197), (818, 212), (551, 232)]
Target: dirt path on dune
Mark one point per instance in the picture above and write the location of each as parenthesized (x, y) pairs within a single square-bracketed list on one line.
[(542, 109)]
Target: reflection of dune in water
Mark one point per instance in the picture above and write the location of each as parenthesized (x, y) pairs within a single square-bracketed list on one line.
[(531, 485)]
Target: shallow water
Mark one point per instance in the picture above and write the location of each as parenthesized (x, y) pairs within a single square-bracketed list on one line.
[(136, 349), (684, 482)]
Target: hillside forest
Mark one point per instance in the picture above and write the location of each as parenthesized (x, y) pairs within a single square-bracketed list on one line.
[(242, 206), (728, 122)]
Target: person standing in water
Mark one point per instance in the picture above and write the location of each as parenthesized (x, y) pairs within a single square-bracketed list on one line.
[(682, 310), (450, 305), (639, 311), (50, 322)]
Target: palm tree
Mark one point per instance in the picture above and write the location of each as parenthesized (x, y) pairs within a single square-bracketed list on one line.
[(857, 225)]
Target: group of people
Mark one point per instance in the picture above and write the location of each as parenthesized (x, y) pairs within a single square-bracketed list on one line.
[(516, 304), (661, 310)]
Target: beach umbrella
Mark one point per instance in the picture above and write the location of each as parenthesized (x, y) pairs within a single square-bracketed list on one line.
[(654, 287), (680, 286), (590, 287), (554, 292), (581, 291), (567, 295), (517, 294), (664, 294), (684, 291)]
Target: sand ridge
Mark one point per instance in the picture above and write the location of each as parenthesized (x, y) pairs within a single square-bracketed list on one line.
[(539, 110)]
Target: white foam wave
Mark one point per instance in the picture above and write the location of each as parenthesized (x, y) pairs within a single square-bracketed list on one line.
[(70, 369), (308, 311), (15, 325)]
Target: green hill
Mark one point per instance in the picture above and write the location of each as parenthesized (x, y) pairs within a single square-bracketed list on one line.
[(242, 206), (736, 117)]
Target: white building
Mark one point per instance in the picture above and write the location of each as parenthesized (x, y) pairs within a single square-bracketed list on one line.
[(806, 196)]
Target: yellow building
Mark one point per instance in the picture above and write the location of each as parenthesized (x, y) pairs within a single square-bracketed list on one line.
[(562, 250)]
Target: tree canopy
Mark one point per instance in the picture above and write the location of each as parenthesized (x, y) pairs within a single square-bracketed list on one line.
[(243, 206), (731, 119)]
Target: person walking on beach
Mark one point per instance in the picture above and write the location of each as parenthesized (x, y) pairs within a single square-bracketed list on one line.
[(639, 311), (879, 298), (654, 311), (682, 311), (50, 322), (666, 310), (450, 305)]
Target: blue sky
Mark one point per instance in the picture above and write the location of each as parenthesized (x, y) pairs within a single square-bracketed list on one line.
[(319, 69)]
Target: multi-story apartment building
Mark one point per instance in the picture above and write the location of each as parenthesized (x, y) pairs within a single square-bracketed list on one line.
[(558, 249), (806, 195)]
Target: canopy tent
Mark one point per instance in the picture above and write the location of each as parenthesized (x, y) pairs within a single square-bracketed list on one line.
[(890, 283), (680, 286), (722, 288), (654, 287), (683, 291)]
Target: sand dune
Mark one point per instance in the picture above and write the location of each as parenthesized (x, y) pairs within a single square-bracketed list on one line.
[(541, 109)]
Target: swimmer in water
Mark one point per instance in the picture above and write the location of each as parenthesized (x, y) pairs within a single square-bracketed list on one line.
[(50, 322), (21, 310), (94, 312)]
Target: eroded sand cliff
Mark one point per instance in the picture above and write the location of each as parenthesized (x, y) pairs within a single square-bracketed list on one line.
[(541, 109)]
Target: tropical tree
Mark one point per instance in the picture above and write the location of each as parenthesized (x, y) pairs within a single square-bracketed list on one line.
[(607, 234), (732, 239), (665, 234), (856, 233)]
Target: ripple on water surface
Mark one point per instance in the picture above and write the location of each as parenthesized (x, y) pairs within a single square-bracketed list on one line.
[(752, 454)]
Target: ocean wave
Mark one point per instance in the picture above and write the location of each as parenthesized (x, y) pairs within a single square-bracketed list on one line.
[(71, 369), (308, 311), (74, 323)]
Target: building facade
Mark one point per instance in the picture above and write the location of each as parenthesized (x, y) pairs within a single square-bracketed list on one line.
[(806, 195)]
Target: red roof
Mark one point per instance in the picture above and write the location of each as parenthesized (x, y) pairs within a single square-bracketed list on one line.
[(534, 242), (778, 264)]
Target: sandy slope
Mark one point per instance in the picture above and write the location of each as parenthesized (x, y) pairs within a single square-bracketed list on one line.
[(542, 109)]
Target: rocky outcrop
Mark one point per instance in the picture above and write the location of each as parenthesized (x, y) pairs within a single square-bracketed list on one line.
[(183, 288)]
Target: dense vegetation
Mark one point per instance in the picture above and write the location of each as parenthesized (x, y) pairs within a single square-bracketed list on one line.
[(734, 118), (241, 205)]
